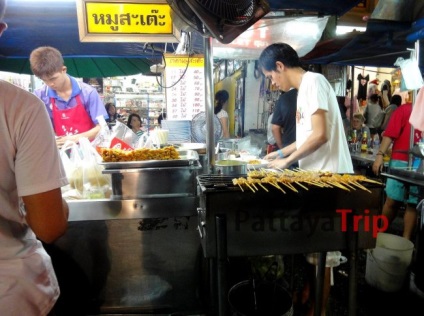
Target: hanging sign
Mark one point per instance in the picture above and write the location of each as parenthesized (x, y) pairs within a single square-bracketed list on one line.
[(185, 79), (125, 21)]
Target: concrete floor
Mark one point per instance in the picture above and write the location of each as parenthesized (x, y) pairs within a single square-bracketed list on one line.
[(370, 300)]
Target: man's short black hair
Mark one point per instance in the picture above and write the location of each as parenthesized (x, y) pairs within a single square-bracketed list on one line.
[(281, 52)]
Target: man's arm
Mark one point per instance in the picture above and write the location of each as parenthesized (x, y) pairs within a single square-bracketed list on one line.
[(225, 131), (378, 164), (276, 132), (47, 214)]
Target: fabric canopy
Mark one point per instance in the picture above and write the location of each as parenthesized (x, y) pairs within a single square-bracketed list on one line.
[(86, 67)]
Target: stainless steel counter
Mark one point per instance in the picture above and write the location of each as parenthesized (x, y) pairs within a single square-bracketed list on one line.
[(91, 210), (137, 256), (362, 157)]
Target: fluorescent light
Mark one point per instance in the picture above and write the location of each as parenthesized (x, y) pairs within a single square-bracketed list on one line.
[(341, 29)]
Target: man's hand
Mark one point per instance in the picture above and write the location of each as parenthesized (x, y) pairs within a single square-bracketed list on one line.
[(271, 156), (61, 140), (278, 164), (378, 164)]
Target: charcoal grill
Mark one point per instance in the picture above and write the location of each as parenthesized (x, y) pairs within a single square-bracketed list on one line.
[(236, 222)]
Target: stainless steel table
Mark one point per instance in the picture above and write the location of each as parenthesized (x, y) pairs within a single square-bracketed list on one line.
[(363, 157), (136, 256)]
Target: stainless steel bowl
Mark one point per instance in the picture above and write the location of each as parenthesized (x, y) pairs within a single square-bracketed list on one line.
[(230, 167)]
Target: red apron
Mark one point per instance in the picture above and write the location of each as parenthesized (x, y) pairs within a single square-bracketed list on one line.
[(71, 121)]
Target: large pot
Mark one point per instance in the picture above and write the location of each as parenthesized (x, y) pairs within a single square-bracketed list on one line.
[(230, 167)]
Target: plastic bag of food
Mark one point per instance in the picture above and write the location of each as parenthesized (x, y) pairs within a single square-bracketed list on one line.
[(411, 74), (122, 137), (145, 141), (88, 177), (68, 164), (103, 137)]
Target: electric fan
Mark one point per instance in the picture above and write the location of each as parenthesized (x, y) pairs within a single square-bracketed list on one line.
[(199, 129), (221, 19)]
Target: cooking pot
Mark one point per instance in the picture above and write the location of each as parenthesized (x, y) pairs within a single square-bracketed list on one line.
[(230, 167)]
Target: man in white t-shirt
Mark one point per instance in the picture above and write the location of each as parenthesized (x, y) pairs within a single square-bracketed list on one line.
[(320, 138), (31, 204)]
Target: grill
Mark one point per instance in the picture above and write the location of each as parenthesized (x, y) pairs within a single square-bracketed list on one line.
[(235, 222)]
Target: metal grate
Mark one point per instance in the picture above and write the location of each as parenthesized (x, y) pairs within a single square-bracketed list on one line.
[(233, 12), (218, 182)]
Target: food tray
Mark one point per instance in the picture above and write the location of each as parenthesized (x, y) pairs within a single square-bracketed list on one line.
[(187, 158), (262, 164)]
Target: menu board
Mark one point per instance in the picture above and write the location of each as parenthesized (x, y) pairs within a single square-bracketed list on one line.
[(185, 82)]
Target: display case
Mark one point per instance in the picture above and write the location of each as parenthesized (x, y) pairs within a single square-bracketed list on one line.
[(148, 105)]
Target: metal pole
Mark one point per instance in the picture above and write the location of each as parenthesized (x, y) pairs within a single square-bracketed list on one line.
[(209, 103), (221, 252), (371, 57), (352, 245), (414, 57), (320, 279), (352, 94)]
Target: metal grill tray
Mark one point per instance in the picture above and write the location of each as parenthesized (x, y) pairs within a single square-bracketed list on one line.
[(187, 158), (212, 182), (408, 172)]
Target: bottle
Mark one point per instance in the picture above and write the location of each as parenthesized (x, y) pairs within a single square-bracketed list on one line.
[(375, 144), (364, 142), (354, 137)]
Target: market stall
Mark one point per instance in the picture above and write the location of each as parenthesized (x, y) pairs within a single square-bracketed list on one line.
[(139, 252)]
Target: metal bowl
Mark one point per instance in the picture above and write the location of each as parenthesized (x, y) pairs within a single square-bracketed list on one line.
[(230, 167)]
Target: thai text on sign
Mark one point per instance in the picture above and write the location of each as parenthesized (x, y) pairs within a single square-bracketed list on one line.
[(125, 21)]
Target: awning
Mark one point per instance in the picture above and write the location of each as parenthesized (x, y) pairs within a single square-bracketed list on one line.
[(54, 23)]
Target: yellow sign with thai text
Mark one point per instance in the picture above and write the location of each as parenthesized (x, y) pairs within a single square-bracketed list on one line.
[(125, 21)]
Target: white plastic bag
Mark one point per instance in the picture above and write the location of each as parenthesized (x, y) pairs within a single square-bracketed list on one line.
[(103, 137), (95, 183), (145, 141), (124, 133), (68, 164), (411, 73), (88, 178)]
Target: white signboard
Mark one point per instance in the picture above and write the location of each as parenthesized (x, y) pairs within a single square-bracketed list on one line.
[(185, 79)]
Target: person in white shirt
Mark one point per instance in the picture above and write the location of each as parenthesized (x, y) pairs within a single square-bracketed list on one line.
[(31, 205), (221, 99), (320, 137)]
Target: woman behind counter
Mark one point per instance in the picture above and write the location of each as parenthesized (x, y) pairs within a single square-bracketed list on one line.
[(113, 115), (221, 98), (134, 122)]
